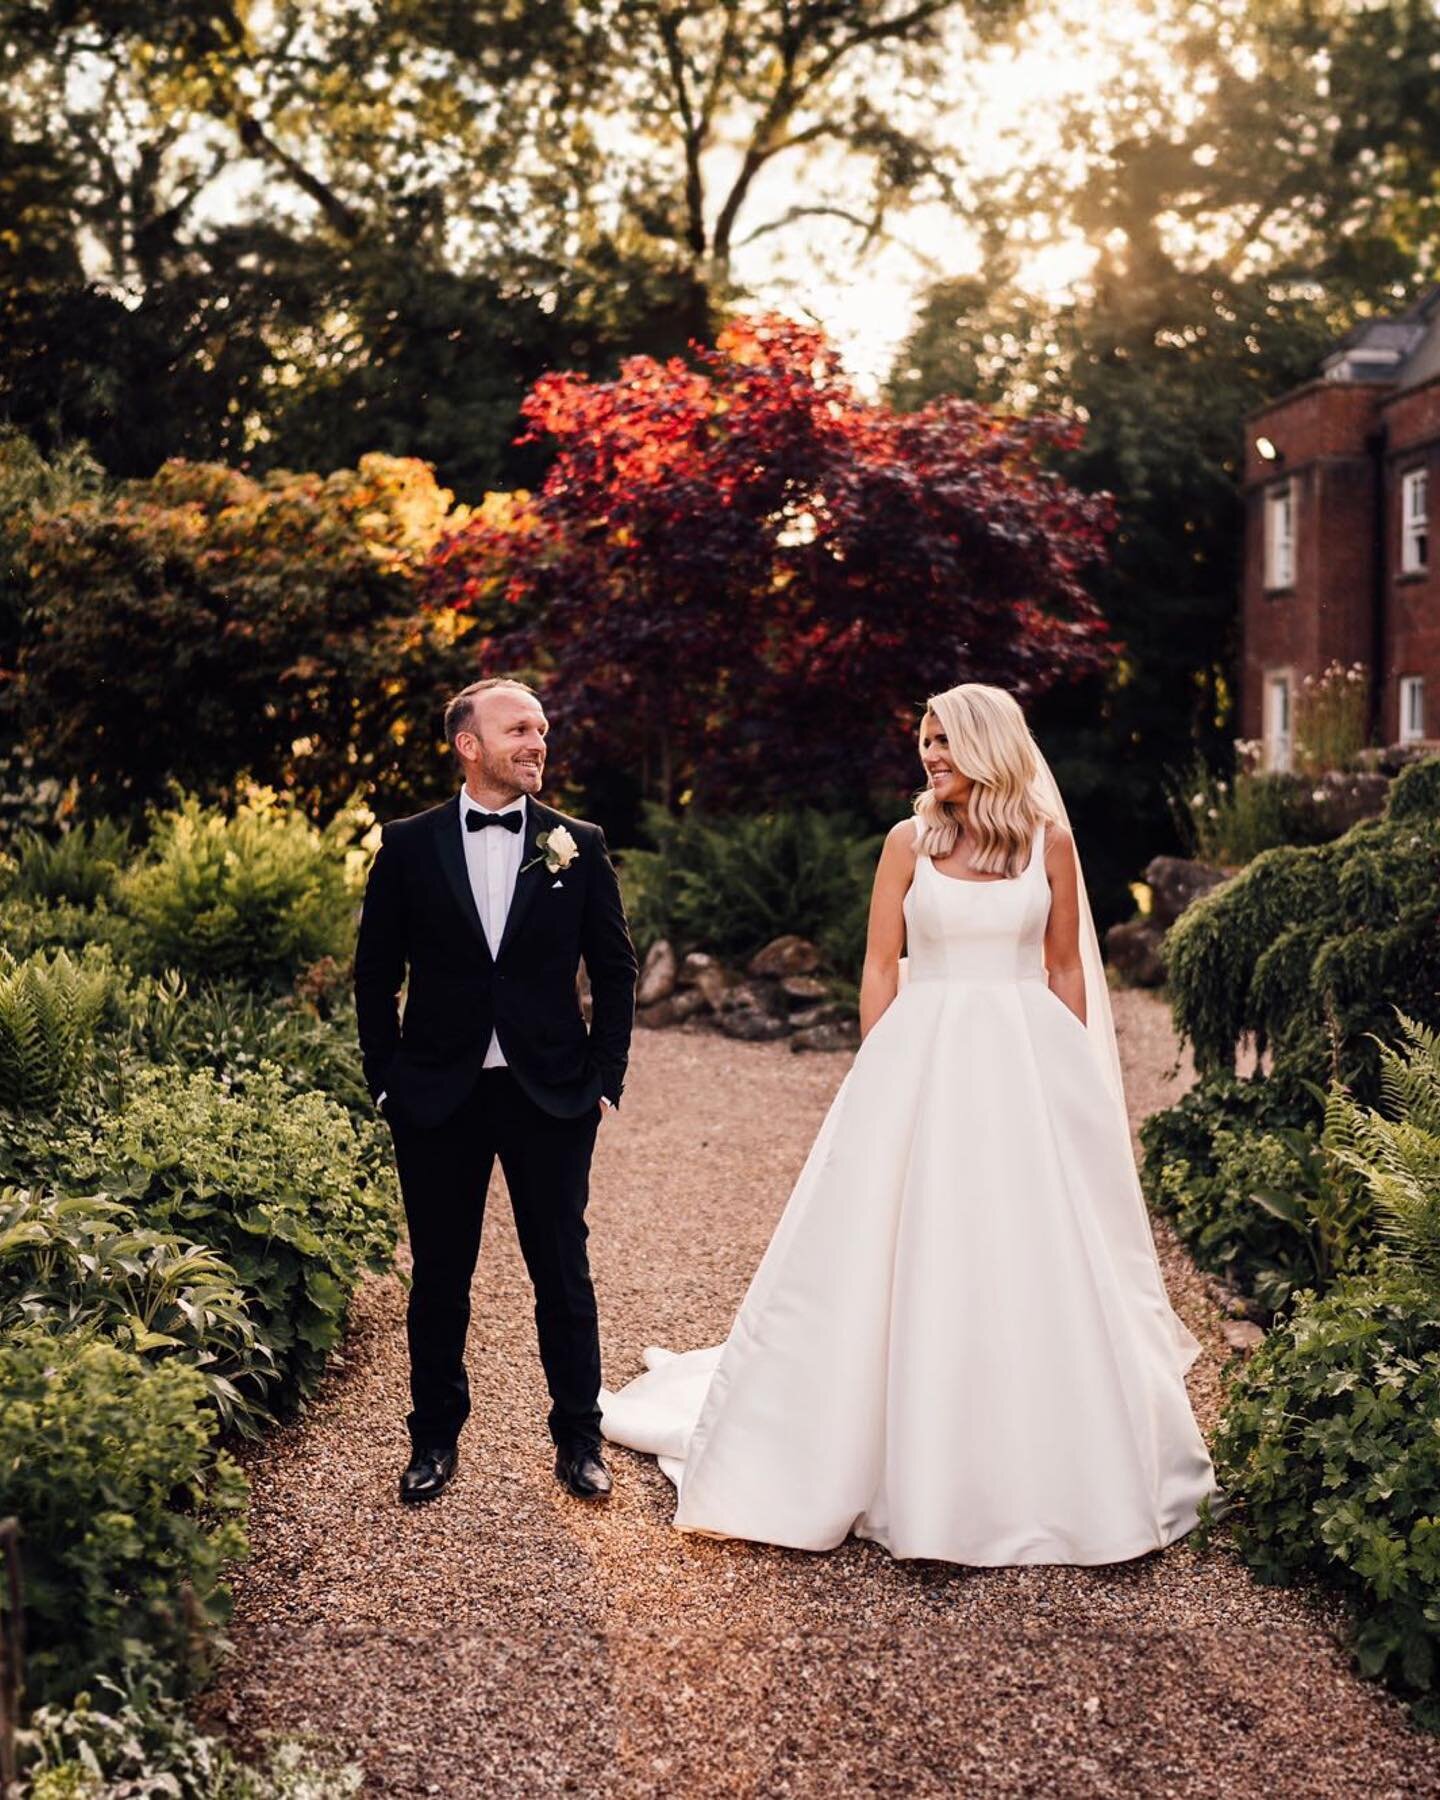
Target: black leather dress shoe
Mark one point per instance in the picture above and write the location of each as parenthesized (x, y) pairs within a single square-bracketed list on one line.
[(581, 1468), (428, 1473)]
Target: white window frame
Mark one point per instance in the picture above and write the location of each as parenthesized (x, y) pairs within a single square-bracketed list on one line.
[(1412, 709), (1415, 521), (1280, 533), (1278, 729)]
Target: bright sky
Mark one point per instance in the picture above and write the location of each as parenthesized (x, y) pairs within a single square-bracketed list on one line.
[(1004, 110)]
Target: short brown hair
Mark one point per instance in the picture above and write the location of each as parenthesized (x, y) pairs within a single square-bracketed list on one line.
[(460, 710)]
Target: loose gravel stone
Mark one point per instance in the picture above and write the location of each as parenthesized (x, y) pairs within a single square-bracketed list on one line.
[(508, 1640)]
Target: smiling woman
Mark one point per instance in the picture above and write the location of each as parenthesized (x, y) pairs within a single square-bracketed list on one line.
[(877, 1379)]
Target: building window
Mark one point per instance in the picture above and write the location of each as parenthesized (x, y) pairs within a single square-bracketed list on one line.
[(1280, 534), (1412, 708), (1279, 741), (1414, 522)]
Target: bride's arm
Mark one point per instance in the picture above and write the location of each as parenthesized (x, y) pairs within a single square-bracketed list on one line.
[(885, 939), (1062, 934)]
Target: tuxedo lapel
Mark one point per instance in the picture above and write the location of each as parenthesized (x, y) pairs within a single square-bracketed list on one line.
[(538, 819), (452, 860)]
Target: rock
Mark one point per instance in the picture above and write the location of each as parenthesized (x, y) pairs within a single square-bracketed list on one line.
[(755, 1027), (1242, 1335), (838, 1034), (747, 996), (816, 1015), (684, 1003), (1133, 949), (788, 955), (694, 966), (1174, 882), (657, 978), (803, 990), (657, 1015), (712, 982)]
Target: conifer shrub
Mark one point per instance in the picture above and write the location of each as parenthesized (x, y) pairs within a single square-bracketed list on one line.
[(254, 895), (1309, 949), (1315, 951)]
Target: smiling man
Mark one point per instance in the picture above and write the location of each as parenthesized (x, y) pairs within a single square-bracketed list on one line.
[(488, 903)]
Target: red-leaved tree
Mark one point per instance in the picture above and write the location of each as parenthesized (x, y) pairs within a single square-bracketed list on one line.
[(741, 580)]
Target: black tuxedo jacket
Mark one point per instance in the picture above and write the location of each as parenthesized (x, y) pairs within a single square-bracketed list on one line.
[(420, 918)]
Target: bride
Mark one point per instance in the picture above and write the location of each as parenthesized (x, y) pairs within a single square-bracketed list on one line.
[(958, 1342)]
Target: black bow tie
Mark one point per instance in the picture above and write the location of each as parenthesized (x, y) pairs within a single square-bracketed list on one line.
[(477, 821)]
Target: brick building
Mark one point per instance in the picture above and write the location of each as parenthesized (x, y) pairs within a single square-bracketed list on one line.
[(1342, 488)]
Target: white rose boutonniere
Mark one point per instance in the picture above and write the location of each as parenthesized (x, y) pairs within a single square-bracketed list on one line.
[(557, 848)]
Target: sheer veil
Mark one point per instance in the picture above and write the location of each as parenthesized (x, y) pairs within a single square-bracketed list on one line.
[(1100, 1022), (1099, 1014)]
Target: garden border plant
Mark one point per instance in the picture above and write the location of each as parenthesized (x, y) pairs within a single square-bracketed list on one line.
[(194, 1183)]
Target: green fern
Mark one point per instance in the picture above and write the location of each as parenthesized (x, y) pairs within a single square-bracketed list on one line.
[(49, 1006), (1398, 1156), (81, 866)]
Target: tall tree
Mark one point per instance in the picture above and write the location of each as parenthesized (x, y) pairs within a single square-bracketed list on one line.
[(742, 580), (294, 216), (1255, 178)]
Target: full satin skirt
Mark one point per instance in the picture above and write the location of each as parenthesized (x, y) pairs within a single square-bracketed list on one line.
[(958, 1342)]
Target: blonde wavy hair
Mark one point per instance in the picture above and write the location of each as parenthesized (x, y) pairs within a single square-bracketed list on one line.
[(989, 741)]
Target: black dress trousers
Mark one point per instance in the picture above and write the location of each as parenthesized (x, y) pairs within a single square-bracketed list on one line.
[(444, 1173)]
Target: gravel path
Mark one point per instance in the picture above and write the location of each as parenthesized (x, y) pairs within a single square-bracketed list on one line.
[(508, 1640)]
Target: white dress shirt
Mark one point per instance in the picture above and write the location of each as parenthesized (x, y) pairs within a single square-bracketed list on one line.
[(492, 861)]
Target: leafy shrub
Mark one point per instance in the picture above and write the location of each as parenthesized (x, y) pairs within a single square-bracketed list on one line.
[(253, 896), (730, 886), (1329, 1443), (109, 1463), (1237, 1167), (296, 1197), (49, 1006), (81, 865), (202, 621), (1309, 948), (84, 1264), (135, 1739), (1229, 822), (231, 1031)]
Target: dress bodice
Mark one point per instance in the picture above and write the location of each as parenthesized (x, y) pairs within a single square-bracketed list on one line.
[(964, 930)]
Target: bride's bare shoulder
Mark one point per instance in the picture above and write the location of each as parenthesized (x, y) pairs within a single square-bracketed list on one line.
[(903, 836)]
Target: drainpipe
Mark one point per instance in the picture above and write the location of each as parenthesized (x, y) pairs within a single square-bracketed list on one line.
[(1376, 443)]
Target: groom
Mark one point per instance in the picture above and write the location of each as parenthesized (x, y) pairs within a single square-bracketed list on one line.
[(488, 902)]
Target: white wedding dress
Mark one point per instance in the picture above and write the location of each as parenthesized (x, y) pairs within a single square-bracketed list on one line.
[(958, 1342)]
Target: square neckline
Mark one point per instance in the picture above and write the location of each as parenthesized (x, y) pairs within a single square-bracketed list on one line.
[(993, 880)]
